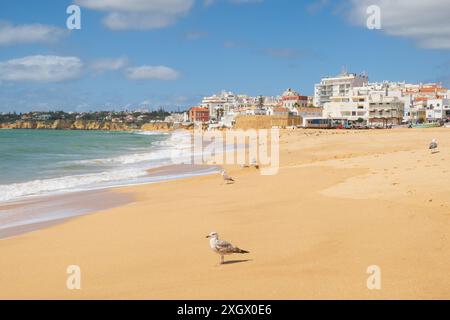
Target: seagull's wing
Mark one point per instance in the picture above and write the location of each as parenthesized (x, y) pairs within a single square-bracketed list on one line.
[(227, 177), (224, 246)]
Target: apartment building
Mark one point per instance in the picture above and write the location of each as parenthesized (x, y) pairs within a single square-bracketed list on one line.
[(220, 104), (437, 110), (386, 113), (354, 109), (199, 115), (341, 85), (291, 99)]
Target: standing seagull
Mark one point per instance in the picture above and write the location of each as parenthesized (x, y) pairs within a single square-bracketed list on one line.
[(227, 178), (255, 164), (433, 146), (221, 247)]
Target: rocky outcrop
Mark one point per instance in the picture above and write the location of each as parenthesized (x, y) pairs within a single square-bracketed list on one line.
[(87, 125), (158, 126)]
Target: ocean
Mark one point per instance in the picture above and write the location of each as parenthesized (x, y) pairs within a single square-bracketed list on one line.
[(37, 162), (49, 176)]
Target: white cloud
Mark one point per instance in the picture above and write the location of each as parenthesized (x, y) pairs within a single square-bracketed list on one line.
[(109, 64), (426, 22), (152, 73), (139, 14), (29, 33), (41, 68)]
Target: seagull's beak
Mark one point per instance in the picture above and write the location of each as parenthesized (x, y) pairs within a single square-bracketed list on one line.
[(207, 237)]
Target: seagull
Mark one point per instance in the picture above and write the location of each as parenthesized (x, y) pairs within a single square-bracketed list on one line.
[(226, 177), (223, 248), (255, 164), (433, 146)]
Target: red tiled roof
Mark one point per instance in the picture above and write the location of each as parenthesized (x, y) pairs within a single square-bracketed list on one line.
[(428, 90), (199, 109)]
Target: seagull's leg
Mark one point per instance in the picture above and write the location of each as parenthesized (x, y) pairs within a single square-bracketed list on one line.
[(222, 259)]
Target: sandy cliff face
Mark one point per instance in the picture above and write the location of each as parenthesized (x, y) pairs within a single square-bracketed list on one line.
[(162, 126), (86, 125), (59, 124)]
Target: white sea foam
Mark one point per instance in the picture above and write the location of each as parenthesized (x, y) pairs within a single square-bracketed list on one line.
[(129, 168), (36, 187), (151, 133), (178, 142)]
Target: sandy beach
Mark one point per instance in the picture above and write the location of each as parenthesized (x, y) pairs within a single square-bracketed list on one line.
[(341, 202)]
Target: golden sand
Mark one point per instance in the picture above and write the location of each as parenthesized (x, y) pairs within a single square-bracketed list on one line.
[(342, 201)]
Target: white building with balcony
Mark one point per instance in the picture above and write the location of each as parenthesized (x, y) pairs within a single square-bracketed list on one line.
[(220, 104), (338, 86), (438, 110), (372, 104), (355, 109)]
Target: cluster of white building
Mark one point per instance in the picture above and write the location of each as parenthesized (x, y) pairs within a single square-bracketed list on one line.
[(349, 97), (353, 98), (224, 107), (228, 103)]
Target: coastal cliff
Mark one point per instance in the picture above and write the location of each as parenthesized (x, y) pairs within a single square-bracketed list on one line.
[(88, 125)]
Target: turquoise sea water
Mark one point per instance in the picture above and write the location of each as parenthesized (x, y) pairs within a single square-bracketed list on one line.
[(44, 161), (34, 154)]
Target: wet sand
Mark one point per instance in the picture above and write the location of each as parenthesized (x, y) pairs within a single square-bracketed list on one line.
[(38, 212)]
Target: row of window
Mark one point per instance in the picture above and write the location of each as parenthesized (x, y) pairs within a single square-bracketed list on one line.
[(353, 113)]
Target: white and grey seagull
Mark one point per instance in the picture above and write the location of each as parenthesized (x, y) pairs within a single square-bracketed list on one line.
[(255, 164), (223, 248), (433, 146), (226, 177)]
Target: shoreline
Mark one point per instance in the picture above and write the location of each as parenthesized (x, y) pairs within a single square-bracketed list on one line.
[(121, 159), (37, 212), (338, 205)]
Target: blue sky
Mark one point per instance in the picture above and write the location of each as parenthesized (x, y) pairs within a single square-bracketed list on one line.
[(152, 53)]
